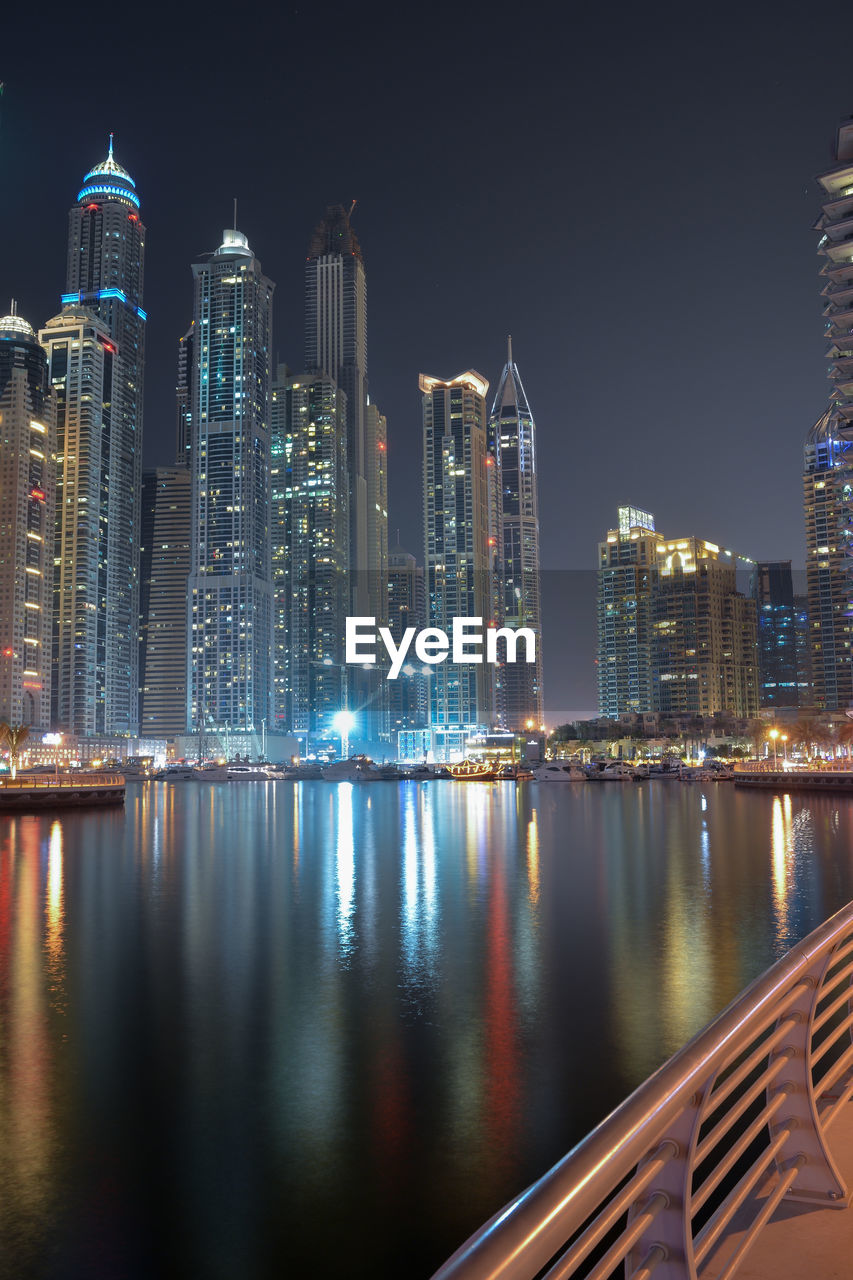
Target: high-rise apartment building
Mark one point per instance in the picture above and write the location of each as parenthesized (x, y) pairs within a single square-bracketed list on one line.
[(27, 485), (512, 444), (164, 569), (773, 590), (703, 632), (94, 673), (626, 565), (106, 252), (674, 633), (407, 695), (827, 487), (458, 560), (310, 537), (828, 478), (229, 661)]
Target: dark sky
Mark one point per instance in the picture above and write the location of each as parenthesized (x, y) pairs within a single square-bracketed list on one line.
[(628, 190)]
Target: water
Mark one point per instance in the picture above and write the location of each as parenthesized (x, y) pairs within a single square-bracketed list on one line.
[(257, 1029)]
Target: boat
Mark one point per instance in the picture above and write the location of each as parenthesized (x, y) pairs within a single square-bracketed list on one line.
[(355, 769), (617, 771), (554, 771), (301, 772), (473, 771), (175, 773), (515, 773), (211, 772), (246, 773)]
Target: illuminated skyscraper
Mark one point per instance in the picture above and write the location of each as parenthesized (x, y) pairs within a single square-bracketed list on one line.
[(626, 564), (184, 397), (828, 454), (229, 666), (773, 589), (95, 549), (458, 486), (164, 568), (106, 250), (407, 695), (27, 448), (336, 344), (512, 444), (310, 551), (674, 633)]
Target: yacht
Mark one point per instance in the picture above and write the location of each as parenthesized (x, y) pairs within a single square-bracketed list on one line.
[(616, 771), (555, 771), (247, 773)]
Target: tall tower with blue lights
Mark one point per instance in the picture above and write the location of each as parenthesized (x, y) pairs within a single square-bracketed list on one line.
[(828, 454), (106, 255), (230, 638)]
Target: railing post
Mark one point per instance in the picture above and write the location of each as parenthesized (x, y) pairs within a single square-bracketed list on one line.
[(666, 1248), (818, 1180)]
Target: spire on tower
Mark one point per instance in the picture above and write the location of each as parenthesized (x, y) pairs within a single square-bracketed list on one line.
[(509, 349)]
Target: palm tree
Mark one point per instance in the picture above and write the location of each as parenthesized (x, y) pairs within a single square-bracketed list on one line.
[(13, 736)]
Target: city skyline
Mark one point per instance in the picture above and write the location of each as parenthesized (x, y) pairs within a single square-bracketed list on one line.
[(673, 236), (760, 146)]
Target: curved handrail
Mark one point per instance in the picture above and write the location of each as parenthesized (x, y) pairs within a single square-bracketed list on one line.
[(765, 1051)]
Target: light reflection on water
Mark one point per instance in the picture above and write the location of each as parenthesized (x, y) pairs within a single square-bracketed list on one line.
[(247, 1023)]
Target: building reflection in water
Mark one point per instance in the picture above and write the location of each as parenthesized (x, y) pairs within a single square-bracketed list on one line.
[(246, 1017)]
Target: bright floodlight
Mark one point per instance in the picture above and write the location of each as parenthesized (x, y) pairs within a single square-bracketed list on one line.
[(344, 721)]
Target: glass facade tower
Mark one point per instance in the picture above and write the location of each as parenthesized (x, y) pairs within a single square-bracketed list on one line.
[(828, 453), (27, 484), (229, 661), (106, 254), (458, 505), (512, 444)]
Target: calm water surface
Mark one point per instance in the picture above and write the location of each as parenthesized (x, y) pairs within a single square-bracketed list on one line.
[(254, 1027)]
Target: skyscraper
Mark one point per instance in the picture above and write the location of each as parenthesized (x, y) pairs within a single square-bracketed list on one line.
[(703, 648), (310, 537), (828, 471), (164, 569), (229, 662), (674, 633), (458, 471), (336, 344), (184, 398), (773, 589), (407, 695), (94, 688), (626, 565), (512, 444), (376, 449), (27, 483), (106, 251)]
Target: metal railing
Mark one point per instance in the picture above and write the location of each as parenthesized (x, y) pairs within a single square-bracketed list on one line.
[(79, 782), (731, 1125)]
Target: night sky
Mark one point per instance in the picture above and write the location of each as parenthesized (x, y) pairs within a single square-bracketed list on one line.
[(628, 191)]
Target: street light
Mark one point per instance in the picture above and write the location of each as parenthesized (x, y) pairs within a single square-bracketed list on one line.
[(785, 746), (774, 734), (54, 740), (344, 722)]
